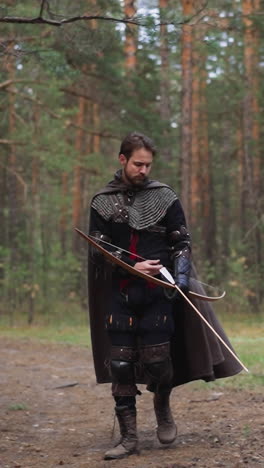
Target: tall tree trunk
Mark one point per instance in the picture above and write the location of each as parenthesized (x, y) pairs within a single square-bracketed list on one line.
[(207, 187), (241, 182), (201, 188), (186, 135), (3, 211), (77, 181), (255, 99), (165, 107), (96, 143), (247, 6), (130, 47), (12, 170), (257, 169), (196, 186), (251, 139), (63, 217), (225, 197), (34, 219), (96, 126), (14, 198)]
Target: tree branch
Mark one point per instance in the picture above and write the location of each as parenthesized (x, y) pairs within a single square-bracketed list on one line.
[(75, 93), (198, 17), (42, 8), (32, 99), (12, 142), (10, 39), (7, 83), (18, 177), (40, 20), (70, 123), (67, 122), (127, 20)]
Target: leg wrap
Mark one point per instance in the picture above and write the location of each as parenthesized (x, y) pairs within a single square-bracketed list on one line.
[(122, 371), (157, 364), (166, 429), (128, 431)]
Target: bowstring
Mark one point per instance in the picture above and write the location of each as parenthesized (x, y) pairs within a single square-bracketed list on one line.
[(142, 258)]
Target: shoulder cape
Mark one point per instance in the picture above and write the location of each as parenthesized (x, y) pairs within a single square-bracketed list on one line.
[(117, 185)]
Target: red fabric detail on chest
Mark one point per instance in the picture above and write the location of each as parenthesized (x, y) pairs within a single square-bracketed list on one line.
[(134, 238), (151, 285), (133, 249), (133, 245)]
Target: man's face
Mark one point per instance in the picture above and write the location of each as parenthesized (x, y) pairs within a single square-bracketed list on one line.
[(137, 168)]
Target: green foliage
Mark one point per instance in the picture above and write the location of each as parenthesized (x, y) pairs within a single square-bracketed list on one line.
[(52, 69), (66, 322), (18, 407), (239, 282), (63, 322), (246, 334)]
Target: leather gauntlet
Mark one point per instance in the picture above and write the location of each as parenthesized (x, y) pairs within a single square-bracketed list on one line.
[(181, 269)]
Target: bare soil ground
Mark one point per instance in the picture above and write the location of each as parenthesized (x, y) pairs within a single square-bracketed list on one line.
[(44, 423)]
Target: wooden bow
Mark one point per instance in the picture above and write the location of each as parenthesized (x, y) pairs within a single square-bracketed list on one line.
[(132, 270), (159, 282)]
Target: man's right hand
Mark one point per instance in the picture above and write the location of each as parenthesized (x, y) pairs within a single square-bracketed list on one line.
[(150, 267)]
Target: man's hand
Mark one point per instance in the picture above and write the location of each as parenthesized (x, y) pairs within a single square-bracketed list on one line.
[(150, 267)]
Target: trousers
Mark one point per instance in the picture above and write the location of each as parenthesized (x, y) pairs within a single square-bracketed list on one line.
[(139, 314), (140, 325)]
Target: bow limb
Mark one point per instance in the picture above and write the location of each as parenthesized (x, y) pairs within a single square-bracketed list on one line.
[(131, 269), (201, 297), (211, 328)]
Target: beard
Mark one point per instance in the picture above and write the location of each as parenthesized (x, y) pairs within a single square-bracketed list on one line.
[(136, 180)]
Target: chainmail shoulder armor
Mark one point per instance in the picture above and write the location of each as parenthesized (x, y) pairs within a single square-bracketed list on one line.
[(141, 209)]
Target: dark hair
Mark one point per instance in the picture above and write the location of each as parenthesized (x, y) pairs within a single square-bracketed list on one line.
[(134, 141)]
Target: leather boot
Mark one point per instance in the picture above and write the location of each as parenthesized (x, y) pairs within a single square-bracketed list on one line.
[(128, 443), (166, 429)]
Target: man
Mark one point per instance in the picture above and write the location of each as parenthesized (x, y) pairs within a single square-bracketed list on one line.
[(148, 332)]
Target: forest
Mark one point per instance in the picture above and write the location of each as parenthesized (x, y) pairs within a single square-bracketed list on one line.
[(75, 78)]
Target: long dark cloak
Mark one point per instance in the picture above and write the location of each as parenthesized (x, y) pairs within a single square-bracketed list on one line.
[(196, 351)]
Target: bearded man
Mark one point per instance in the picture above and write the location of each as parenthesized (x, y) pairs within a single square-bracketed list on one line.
[(139, 333)]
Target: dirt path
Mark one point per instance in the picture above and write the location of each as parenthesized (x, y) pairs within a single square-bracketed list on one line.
[(71, 426)]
